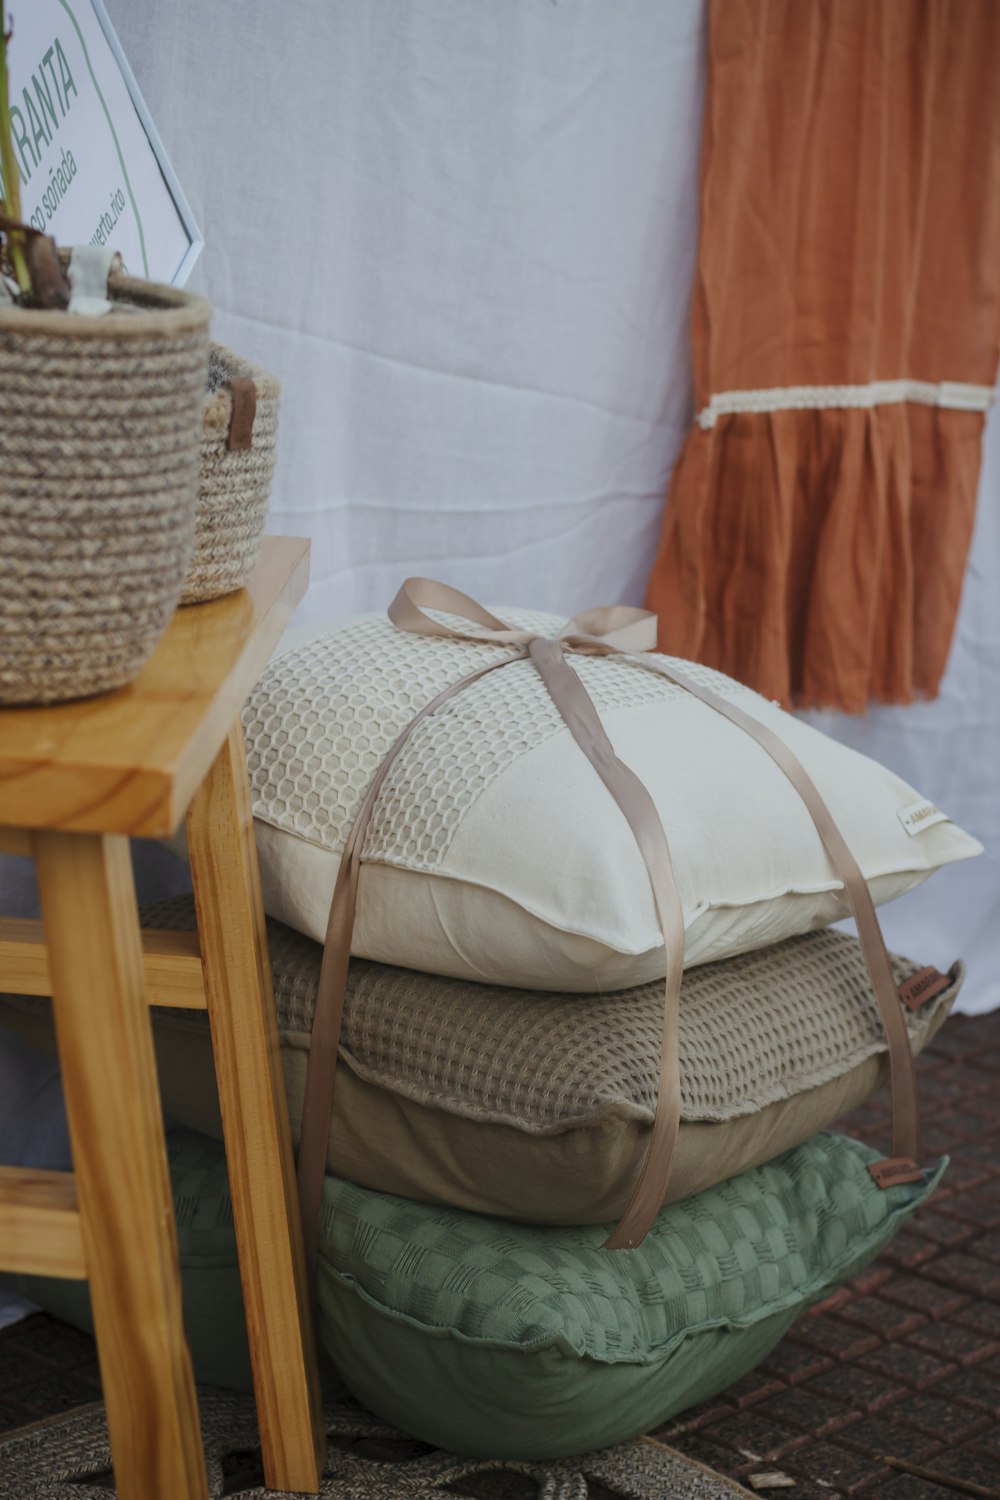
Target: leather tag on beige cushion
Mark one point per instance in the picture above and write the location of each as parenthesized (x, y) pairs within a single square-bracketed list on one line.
[(923, 986)]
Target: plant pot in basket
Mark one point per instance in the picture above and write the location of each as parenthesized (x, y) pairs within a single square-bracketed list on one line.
[(99, 463), (239, 433)]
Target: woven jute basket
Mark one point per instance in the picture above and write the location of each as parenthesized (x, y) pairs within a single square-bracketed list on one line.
[(239, 436), (100, 427)]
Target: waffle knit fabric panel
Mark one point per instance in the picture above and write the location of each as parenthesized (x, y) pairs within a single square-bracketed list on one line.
[(536, 1106)]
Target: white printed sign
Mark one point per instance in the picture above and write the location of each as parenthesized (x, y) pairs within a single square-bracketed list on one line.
[(92, 168)]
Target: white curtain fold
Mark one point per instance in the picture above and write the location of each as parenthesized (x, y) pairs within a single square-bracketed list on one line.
[(463, 235)]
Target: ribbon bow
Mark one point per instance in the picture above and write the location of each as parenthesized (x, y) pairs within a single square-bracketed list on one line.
[(593, 632), (605, 631)]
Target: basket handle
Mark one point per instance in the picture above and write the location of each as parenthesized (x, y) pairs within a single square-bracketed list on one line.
[(244, 394)]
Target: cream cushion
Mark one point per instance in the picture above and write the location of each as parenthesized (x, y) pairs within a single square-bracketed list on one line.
[(495, 854), (537, 1106)]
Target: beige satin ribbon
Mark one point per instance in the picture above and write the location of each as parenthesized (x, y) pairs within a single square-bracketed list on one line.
[(616, 629)]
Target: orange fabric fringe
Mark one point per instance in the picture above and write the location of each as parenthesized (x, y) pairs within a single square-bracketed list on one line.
[(850, 234)]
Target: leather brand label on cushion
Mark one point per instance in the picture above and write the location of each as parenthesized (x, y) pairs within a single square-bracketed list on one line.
[(921, 815), (923, 986), (894, 1170)]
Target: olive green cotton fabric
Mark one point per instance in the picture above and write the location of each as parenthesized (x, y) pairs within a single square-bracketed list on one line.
[(210, 1277), (510, 1340)]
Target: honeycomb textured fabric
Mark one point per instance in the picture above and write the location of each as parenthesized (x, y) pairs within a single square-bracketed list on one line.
[(494, 854), (322, 717), (753, 1030)]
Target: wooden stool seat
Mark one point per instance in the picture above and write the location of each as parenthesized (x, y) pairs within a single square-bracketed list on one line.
[(76, 781)]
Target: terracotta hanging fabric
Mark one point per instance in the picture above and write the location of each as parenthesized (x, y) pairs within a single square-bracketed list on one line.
[(846, 327)]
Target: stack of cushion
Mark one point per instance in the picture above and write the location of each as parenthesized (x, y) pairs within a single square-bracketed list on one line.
[(498, 1062)]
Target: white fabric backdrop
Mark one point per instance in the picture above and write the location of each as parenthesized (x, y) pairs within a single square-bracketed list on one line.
[(463, 235)]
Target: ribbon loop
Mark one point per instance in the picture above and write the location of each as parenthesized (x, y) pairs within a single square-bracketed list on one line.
[(611, 628), (417, 595)]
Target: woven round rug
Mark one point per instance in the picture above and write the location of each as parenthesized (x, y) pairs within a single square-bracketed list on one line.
[(68, 1458)]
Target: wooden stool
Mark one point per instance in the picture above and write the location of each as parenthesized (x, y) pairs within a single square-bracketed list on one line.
[(76, 780)]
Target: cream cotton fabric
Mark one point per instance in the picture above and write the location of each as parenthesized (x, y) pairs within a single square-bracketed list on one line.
[(495, 854)]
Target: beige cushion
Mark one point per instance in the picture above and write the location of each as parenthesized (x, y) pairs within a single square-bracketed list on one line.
[(537, 1106), (495, 854)]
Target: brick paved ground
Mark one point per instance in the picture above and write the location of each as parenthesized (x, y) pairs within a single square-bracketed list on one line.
[(906, 1362)]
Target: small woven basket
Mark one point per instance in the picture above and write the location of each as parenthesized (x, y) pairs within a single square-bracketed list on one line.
[(239, 436), (100, 423)]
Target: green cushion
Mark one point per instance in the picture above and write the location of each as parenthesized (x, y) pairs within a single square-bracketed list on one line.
[(513, 1340), (213, 1301)]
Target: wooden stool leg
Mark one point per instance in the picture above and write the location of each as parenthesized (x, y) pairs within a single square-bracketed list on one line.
[(120, 1164), (255, 1122)]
